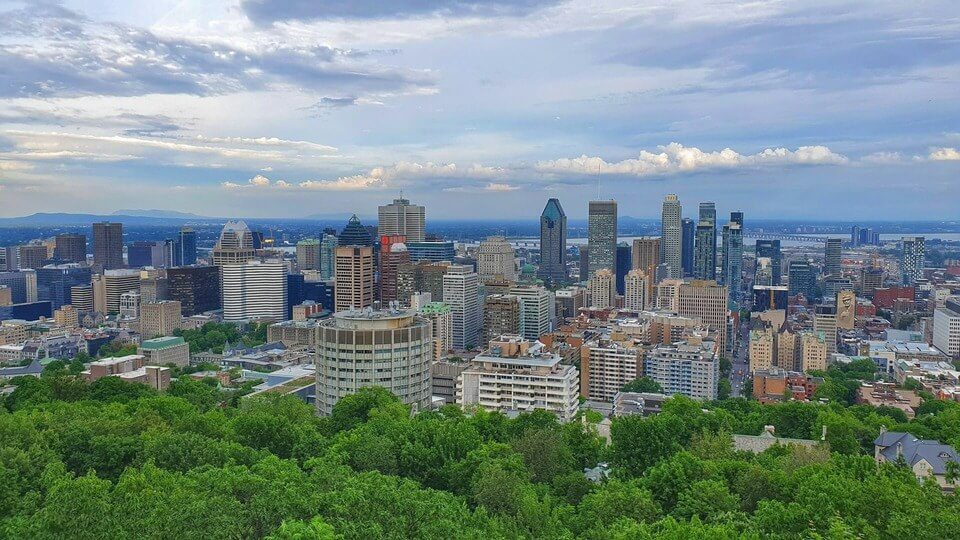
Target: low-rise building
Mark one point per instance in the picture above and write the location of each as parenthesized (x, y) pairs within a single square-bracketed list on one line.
[(774, 385), (129, 368), (643, 403), (514, 375), (444, 377), (888, 395), (165, 350), (926, 458)]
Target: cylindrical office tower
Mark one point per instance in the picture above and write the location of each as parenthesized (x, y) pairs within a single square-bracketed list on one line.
[(388, 348)]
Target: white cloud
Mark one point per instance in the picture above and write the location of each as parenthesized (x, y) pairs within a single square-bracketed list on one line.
[(495, 186), (883, 157), (944, 154), (676, 158)]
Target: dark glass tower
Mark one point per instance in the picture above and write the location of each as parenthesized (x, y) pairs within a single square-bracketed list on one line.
[(624, 261), (185, 248), (687, 243), (108, 245), (705, 259), (355, 234), (771, 250), (553, 243)]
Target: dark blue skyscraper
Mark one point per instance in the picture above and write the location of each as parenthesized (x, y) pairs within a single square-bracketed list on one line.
[(185, 247), (624, 261), (705, 254), (687, 243), (355, 234), (802, 279), (54, 282), (553, 243), (771, 250)]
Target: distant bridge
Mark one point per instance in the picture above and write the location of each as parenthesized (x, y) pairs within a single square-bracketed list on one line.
[(785, 236)]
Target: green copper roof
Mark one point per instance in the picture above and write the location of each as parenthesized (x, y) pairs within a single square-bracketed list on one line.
[(161, 343)]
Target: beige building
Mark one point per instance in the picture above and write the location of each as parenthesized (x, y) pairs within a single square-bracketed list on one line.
[(402, 218), (514, 375), (668, 295), (501, 315), (159, 318), (707, 301), (496, 259), (605, 367), (763, 349), (635, 290), (308, 254), (813, 352), (602, 289), (354, 277), (826, 324), (108, 287), (131, 369), (788, 352), (12, 333), (646, 255), (441, 320), (6, 295), (165, 350), (67, 316), (294, 333)]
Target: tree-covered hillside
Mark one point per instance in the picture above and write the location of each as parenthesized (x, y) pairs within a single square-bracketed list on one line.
[(115, 460)]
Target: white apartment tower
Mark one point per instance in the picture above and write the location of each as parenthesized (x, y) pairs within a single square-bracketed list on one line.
[(461, 291), (671, 242), (254, 290), (635, 290), (538, 310)]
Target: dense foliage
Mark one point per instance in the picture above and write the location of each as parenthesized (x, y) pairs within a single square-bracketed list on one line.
[(117, 460), (214, 337)]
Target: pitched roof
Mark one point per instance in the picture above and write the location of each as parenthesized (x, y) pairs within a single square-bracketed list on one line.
[(914, 450)]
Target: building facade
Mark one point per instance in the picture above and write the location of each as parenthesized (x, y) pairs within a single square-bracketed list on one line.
[(254, 290), (400, 218), (671, 231), (553, 243), (602, 236)]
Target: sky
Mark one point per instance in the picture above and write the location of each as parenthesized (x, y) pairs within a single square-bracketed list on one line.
[(481, 109)]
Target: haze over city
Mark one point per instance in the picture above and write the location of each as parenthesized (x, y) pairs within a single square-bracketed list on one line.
[(264, 108)]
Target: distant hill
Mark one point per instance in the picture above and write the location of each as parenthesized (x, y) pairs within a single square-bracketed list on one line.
[(58, 219), (171, 214)]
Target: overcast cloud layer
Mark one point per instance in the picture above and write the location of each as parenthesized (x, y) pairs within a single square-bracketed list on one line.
[(481, 108)]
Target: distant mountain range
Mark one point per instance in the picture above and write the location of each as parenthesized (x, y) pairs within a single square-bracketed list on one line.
[(44, 219), (169, 214)]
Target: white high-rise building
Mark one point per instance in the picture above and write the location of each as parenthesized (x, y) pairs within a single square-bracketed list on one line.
[(254, 290), (635, 290), (403, 219), (496, 258), (671, 242), (461, 291), (912, 256), (235, 245), (690, 368), (538, 310), (601, 289), (946, 327)]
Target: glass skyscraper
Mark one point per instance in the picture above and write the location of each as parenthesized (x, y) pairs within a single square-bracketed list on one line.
[(602, 235), (553, 243), (671, 236), (771, 250), (687, 245)]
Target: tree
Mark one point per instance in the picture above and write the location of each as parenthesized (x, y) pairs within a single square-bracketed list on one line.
[(315, 529), (706, 499), (356, 408), (643, 384), (723, 389)]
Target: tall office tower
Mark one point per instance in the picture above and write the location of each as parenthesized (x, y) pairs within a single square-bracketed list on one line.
[(461, 291), (624, 262), (400, 218), (197, 288), (538, 310), (235, 245), (358, 348), (159, 318), (707, 301), (354, 277), (602, 236), (393, 253), (771, 250), (825, 324), (496, 258), (254, 290), (708, 214), (55, 281), (185, 247), (308, 254), (114, 283), (687, 245), (601, 289), (671, 244), (553, 243), (584, 266), (433, 251), (646, 257), (705, 254), (635, 294), (420, 277), (355, 234), (832, 257), (142, 254), (108, 245), (855, 236), (31, 256), (912, 253), (71, 248), (501, 315), (328, 256), (733, 260), (81, 298), (802, 279)]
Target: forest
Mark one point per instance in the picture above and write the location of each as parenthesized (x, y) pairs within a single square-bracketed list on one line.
[(117, 460)]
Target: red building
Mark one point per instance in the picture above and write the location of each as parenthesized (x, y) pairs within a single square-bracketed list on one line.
[(885, 297), (393, 253)]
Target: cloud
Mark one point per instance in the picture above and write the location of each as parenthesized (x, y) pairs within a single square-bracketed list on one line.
[(269, 11), (50, 51), (496, 187), (881, 158), (257, 182), (944, 154), (131, 123), (675, 158)]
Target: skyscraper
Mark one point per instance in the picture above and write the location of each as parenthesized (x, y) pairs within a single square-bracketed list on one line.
[(687, 245), (496, 257), (672, 236), (355, 234), (254, 290), (235, 245), (706, 251), (624, 262), (108, 245), (538, 309), (733, 260), (707, 301), (400, 218), (461, 291), (553, 243), (197, 288), (308, 254), (501, 315), (328, 256), (602, 235), (801, 279), (54, 282), (393, 253), (141, 254), (31, 256), (635, 296), (708, 215), (354, 277), (185, 247), (832, 257), (771, 250), (584, 262), (71, 248), (912, 254)]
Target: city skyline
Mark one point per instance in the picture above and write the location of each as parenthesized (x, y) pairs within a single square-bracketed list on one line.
[(268, 108)]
